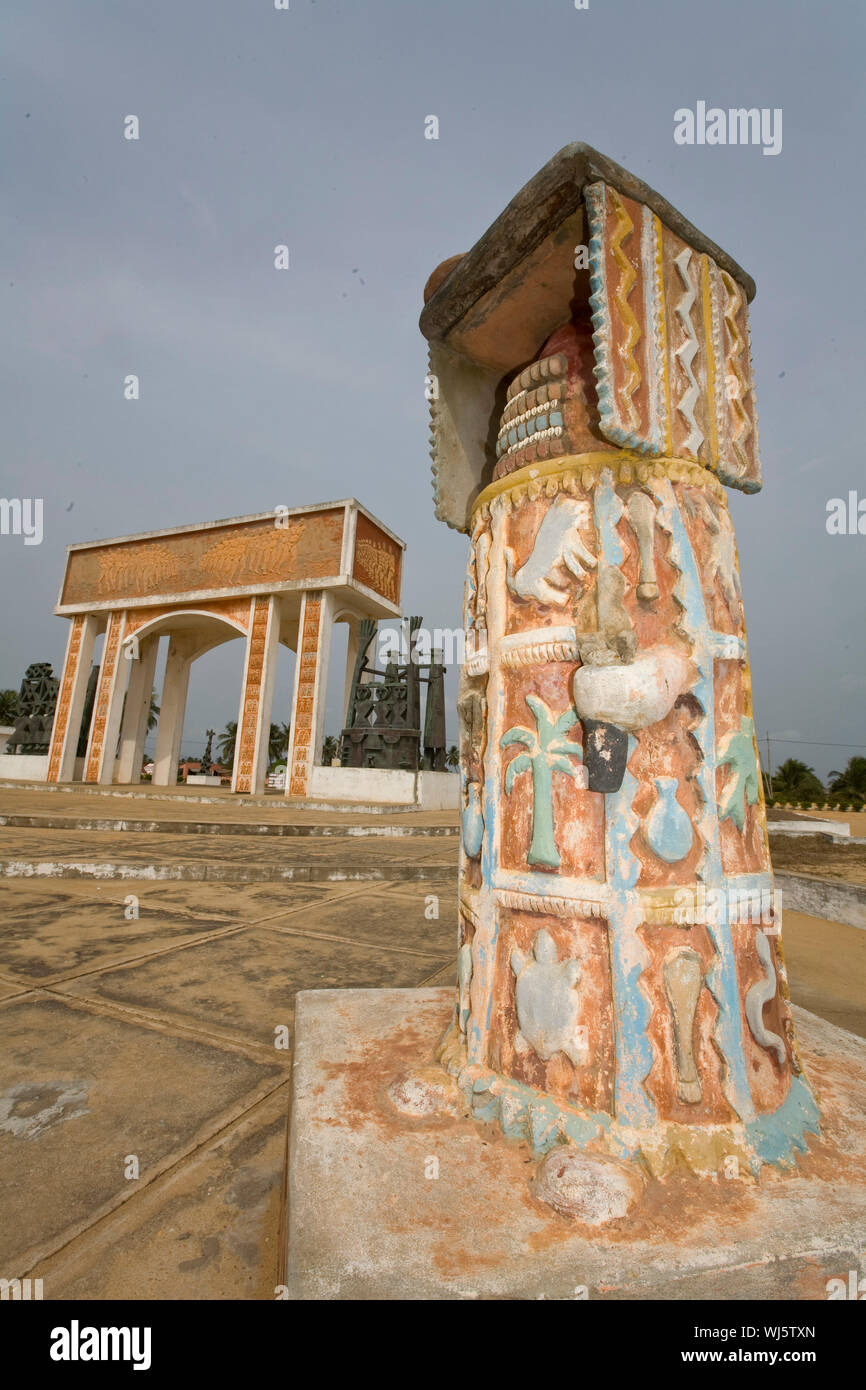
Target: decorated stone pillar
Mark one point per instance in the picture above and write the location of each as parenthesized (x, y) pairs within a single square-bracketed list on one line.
[(105, 722), (71, 697), (622, 987), (311, 686), (254, 718)]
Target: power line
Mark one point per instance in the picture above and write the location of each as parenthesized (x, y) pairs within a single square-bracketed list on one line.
[(815, 743)]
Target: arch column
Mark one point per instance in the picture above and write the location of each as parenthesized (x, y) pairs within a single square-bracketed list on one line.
[(70, 701), (172, 709), (105, 724), (354, 626), (254, 716), (133, 730), (311, 684)]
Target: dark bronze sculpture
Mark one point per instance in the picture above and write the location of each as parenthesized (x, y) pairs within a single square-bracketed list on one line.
[(383, 728), (36, 701)]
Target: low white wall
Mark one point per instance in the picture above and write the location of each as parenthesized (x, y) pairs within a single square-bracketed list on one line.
[(830, 898), (439, 791), (371, 784), (429, 791), (23, 767)]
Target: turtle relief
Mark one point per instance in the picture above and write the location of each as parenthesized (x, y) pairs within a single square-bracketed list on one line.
[(548, 1004)]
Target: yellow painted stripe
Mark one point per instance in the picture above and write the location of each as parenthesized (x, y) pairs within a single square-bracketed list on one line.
[(709, 350), (663, 325), (572, 463)]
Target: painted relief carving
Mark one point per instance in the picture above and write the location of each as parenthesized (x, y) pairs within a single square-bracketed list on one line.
[(142, 568), (558, 546), (377, 563), (472, 820), (683, 975), (548, 1005), (548, 752), (482, 567), (64, 699), (721, 560), (308, 657), (668, 828), (641, 510), (208, 559), (472, 716), (760, 994), (464, 980), (741, 790)]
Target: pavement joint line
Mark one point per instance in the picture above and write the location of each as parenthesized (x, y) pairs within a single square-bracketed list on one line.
[(322, 896), (353, 941), (448, 965), (171, 1161), (139, 1191), (168, 1023), (115, 963), (323, 901)]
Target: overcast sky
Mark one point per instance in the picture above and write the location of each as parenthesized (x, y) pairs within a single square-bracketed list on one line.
[(260, 387)]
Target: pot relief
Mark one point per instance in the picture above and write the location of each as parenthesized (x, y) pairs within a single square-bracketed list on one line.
[(667, 828)]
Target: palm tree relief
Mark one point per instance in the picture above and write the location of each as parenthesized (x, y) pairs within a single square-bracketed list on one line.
[(548, 751)]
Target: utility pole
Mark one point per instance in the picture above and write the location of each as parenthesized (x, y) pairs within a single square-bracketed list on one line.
[(769, 766)]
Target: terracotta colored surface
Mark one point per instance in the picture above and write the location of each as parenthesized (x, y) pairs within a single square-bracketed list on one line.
[(214, 558)]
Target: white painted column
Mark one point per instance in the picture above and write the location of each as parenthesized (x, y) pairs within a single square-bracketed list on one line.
[(254, 716), (354, 626), (172, 708), (326, 633), (83, 632), (133, 730)]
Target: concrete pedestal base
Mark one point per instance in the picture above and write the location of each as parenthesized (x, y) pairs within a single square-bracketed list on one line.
[(388, 1207)]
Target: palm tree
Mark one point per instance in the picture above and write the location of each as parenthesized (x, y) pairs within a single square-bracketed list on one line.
[(851, 782), (152, 713), (452, 757), (278, 743), (227, 741), (330, 749), (795, 781), (8, 706), (549, 752)]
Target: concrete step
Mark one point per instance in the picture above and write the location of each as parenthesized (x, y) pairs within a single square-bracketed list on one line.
[(202, 871), (146, 792), (198, 827)]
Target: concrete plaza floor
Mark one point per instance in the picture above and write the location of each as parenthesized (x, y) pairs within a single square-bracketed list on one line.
[(144, 1099)]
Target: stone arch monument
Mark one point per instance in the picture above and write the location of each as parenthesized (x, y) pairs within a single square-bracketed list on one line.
[(270, 578)]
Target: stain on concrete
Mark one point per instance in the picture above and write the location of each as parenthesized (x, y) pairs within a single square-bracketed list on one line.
[(26, 1110)]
